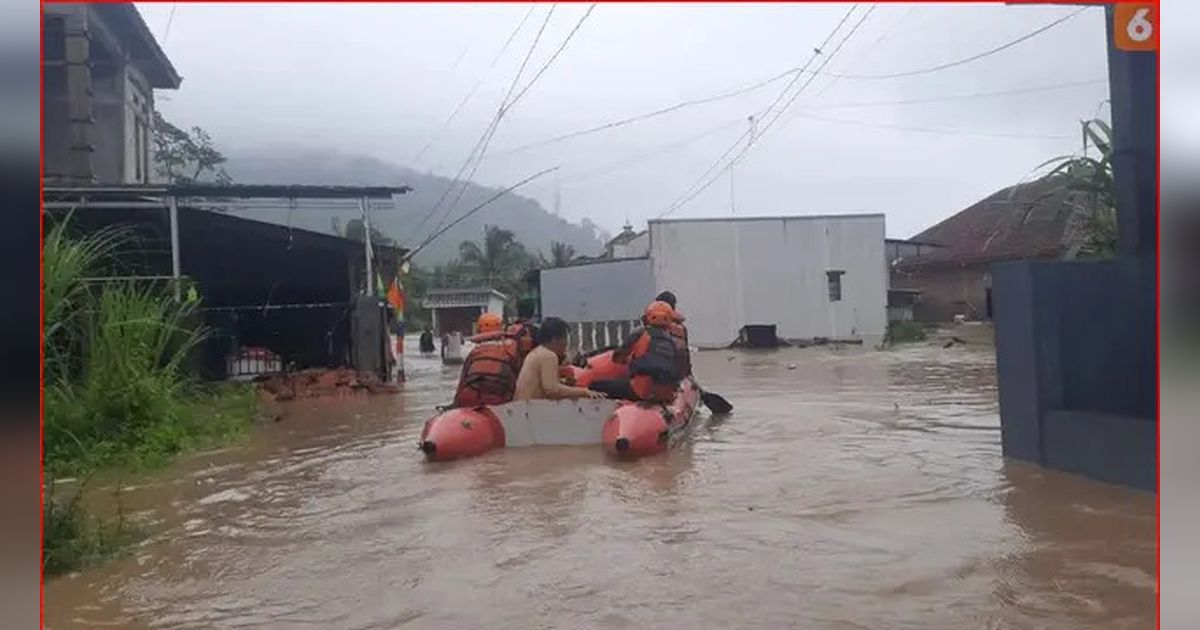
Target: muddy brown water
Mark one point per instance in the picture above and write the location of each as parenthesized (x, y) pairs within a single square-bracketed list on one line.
[(850, 489)]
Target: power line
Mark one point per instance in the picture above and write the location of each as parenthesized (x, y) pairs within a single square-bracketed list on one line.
[(462, 103), (487, 133), (554, 56), (653, 114), (887, 33), (936, 130), (754, 139), (505, 105), (962, 97), (170, 20), (509, 104), (477, 208), (693, 191), (765, 82), (966, 60), (642, 157), (687, 194)]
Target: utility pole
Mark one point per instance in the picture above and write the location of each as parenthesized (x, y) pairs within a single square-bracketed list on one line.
[(364, 204), (732, 197)]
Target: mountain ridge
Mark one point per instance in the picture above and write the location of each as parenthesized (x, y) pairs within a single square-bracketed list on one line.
[(534, 226)]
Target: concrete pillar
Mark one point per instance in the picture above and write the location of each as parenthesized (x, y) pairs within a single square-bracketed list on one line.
[(1133, 77), (369, 336), (80, 168)]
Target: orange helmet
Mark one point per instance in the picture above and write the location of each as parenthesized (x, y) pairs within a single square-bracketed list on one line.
[(658, 314), (490, 322)]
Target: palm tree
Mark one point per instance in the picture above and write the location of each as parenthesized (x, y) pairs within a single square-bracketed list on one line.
[(1090, 174), (561, 255), (498, 262)]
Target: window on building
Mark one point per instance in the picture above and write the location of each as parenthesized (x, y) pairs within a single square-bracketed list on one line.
[(834, 279), (139, 152)]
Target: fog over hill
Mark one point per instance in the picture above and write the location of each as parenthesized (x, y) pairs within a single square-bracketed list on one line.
[(534, 226)]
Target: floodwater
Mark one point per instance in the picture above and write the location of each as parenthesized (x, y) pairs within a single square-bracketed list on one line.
[(850, 489)]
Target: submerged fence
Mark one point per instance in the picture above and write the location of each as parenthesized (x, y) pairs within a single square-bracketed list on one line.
[(588, 336)]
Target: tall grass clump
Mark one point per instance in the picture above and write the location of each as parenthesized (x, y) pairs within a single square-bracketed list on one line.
[(118, 394)]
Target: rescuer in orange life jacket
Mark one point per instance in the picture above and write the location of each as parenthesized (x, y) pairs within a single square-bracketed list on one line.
[(679, 335), (489, 373), (655, 367)]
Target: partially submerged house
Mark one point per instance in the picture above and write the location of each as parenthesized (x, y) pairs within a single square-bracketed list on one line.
[(901, 301), (273, 297), (1038, 220), (292, 298)]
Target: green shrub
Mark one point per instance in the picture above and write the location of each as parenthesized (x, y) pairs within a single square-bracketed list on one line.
[(905, 332)]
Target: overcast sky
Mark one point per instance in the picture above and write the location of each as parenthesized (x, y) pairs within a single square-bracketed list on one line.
[(381, 79)]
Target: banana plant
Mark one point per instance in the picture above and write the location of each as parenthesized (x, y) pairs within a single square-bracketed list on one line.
[(1090, 174)]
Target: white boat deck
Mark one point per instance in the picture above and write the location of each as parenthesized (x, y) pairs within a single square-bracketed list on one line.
[(554, 422)]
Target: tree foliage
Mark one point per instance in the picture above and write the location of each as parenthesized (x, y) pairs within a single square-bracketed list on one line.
[(1090, 174), (184, 157), (561, 255), (497, 262), (354, 231)]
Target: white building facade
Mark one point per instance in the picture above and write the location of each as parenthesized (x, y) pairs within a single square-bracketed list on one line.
[(812, 277), (602, 300)]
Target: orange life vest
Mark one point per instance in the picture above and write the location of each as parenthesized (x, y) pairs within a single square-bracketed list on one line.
[(653, 365), (489, 374), (683, 355)]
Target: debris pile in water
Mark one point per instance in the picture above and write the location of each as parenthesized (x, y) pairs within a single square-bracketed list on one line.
[(324, 383)]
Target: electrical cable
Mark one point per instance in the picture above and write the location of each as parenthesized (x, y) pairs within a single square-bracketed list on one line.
[(462, 103), (472, 211), (487, 133), (935, 130), (966, 60), (510, 103), (756, 136), (763, 83)]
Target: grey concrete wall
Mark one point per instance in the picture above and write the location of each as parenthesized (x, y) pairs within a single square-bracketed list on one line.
[(600, 292), (1076, 364), (108, 133)]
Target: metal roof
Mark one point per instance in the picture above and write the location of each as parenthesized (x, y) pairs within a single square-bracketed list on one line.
[(584, 262), (1029, 221), (127, 23), (454, 298), (231, 191), (794, 217)]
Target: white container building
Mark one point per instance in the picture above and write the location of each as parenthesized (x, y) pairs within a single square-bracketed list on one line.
[(812, 277)]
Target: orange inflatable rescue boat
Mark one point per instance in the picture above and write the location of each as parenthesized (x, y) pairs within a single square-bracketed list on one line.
[(625, 429)]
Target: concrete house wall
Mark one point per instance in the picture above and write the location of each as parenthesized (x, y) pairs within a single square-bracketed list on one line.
[(102, 66), (597, 292)]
